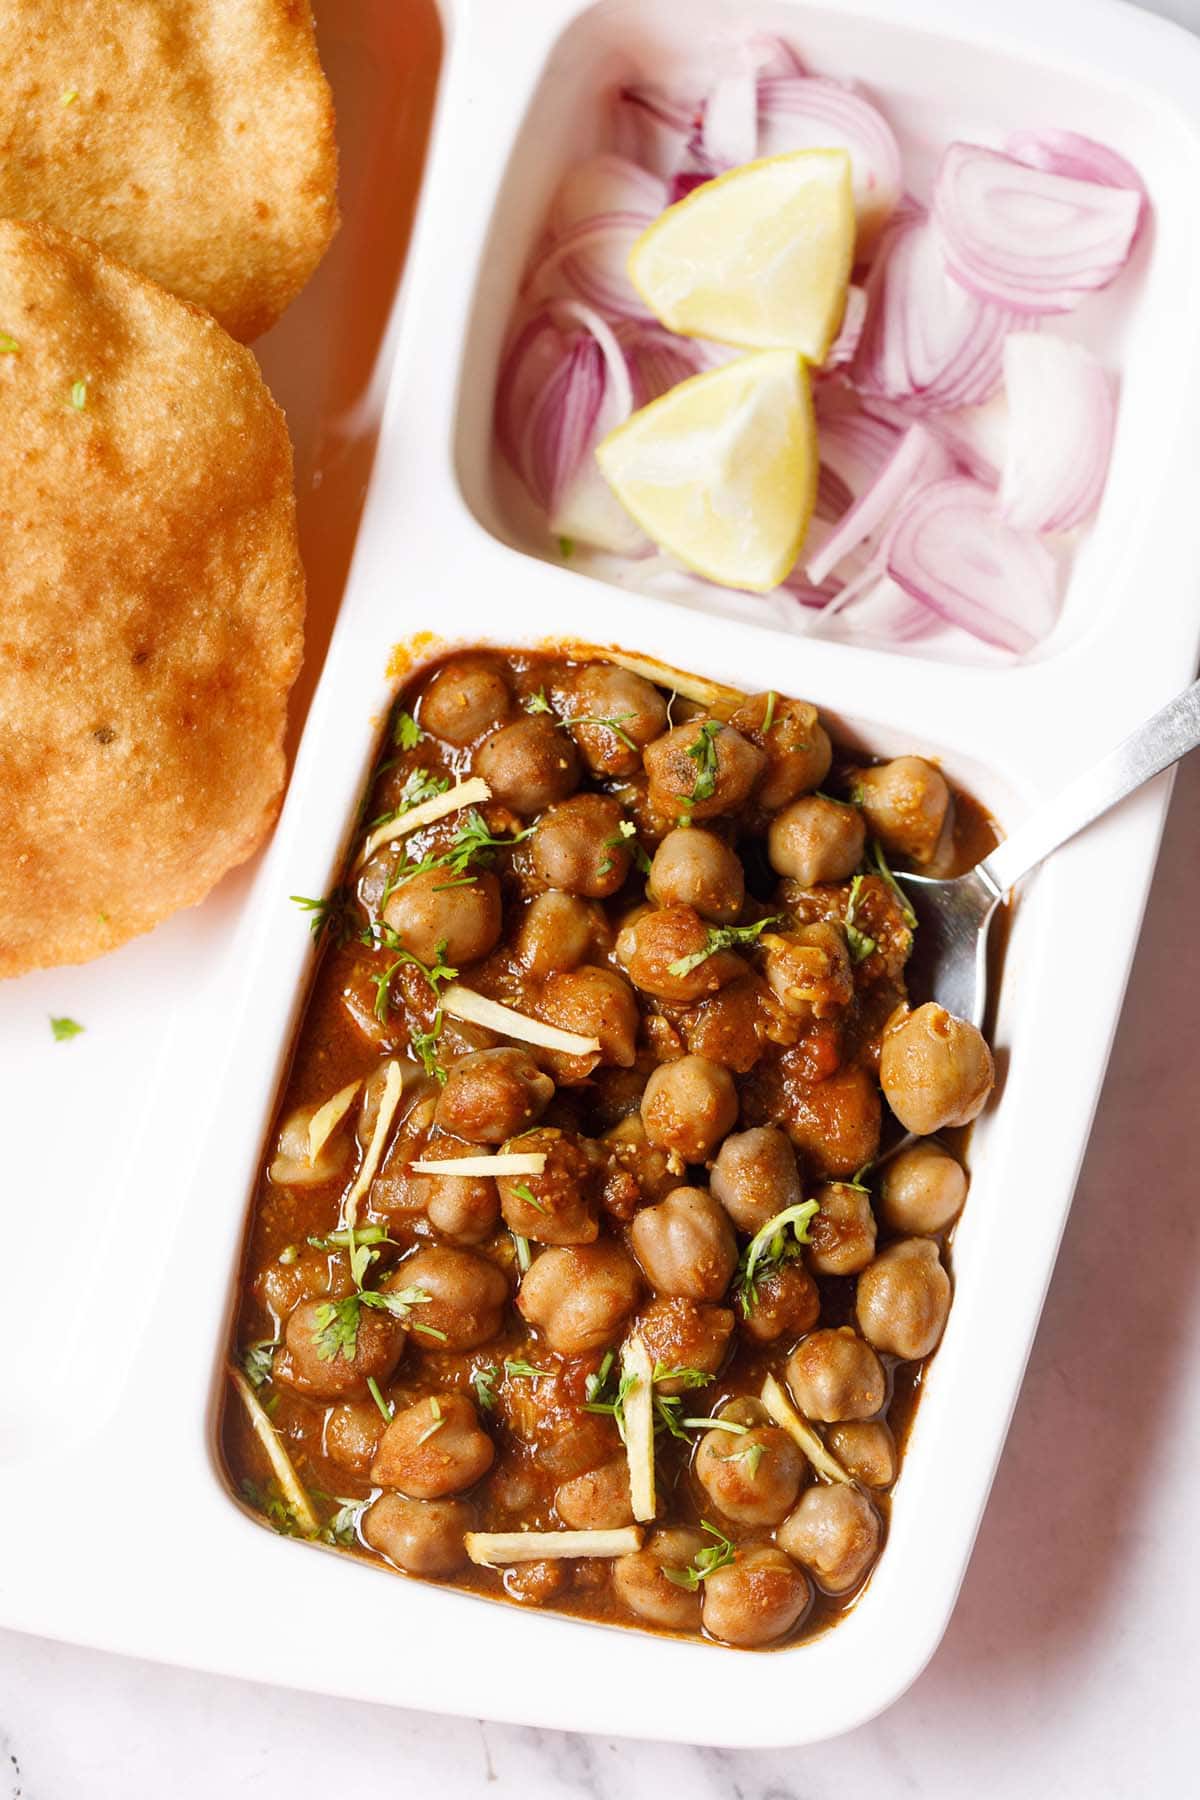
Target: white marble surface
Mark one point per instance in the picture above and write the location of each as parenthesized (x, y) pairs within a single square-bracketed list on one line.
[(1070, 1667)]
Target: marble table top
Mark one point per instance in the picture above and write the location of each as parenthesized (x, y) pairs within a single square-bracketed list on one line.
[(1070, 1666)]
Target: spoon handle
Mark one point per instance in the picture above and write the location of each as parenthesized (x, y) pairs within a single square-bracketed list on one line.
[(1154, 746)]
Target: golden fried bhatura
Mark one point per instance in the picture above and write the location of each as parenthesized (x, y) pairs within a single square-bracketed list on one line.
[(151, 601), (193, 139)]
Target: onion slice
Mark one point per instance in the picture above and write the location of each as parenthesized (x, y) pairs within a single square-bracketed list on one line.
[(950, 549), (654, 127), (464, 1003), (1026, 238), (488, 1548), (1062, 413), (812, 112), (918, 459), (1069, 153), (927, 340), (602, 186)]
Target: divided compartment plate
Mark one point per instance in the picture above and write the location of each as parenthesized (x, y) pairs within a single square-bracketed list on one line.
[(130, 1380)]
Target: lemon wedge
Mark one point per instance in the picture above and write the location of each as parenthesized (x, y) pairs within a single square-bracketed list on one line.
[(721, 471), (760, 257)]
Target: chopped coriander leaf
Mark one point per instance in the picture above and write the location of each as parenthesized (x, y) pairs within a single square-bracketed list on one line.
[(666, 1411), (751, 1455), (419, 786), (330, 915), (268, 1501), (342, 1528), (385, 1406), (594, 1384), (424, 1046), (346, 1240), (8, 345), (429, 1331), (877, 857), (434, 973), (406, 733), (524, 1192), (691, 1378), (64, 1029), (522, 1248), (257, 1361), (861, 945), (79, 395), (337, 1320), (437, 1420), (720, 937), (288, 1255), (858, 1179), (537, 703), (706, 1562), (484, 1383), (769, 714), (704, 754), (771, 1246), (525, 1371)]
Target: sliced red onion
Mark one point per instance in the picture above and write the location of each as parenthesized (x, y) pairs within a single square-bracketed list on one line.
[(926, 340), (1062, 413), (884, 611), (729, 134), (967, 432), (562, 387), (771, 56), (654, 127), (606, 186), (855, 447), (589, 261), (811, 112), (657, 359), (1026, 238), (842, 349), (1068, 153), (919, 458), (951, 550)]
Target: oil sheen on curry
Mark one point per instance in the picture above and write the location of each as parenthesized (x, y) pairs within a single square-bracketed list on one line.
[(578, 1272)]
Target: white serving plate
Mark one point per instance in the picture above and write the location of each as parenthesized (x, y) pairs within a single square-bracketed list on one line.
[(135, 1148)]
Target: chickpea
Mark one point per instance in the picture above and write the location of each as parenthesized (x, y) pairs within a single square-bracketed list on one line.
[(467, 1297), (558, 931), (835, 1533), (756, 1599), (698, 869), (905, 803), (685, 1245), (688, 1106), (799, 753), (752, 1478), (290, 1166), (679, 1334), (654, 947), (464, 699), (579, 1298), (637, 1173), (554, 1207), (935, 1070), (597, 1003), (463, 1207), (903, 1298), (786, 1303), (640, 1583), (597, 1500), (702, 768), (755, 1176), (492, 1095), (565, 1441), (461, 923), (351, 1435), (835, 1375), (313, 1275), (422, 1537), (578, 847), (602, 691), (866, 1450), (809, 971), (433, 1448), (922, 1190), (815, 840), (842, 1236), (319, 1367), (535, 1583), (835, 1123), (529, 765)]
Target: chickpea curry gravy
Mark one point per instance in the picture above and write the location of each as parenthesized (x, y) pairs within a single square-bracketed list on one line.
[(574, 1275)]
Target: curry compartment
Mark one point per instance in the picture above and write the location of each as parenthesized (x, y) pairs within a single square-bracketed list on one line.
[(584, 1270)]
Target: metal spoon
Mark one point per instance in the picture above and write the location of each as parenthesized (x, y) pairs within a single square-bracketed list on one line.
[(950, 954)]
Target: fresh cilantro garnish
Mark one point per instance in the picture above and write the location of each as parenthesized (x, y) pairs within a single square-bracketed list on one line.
[(720, 937), (338, 1320), (772, 1246), (877, 857), (386, 1408), (65, 1029), (342, 1528), (350, 1238), (473, 847), (769, 714), (751, 1455), (525, 1371), (435, 973), (331, 915), (524, 1192), (406, 733), (690, 1378), (861, 945), (484, 1383), (706, 1562), (593, 1387), (538, 703), (419, 785), (268, 1501), (704, 754), (614, 1408), (521, 1245), (436, 1421), (257, 1361)]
